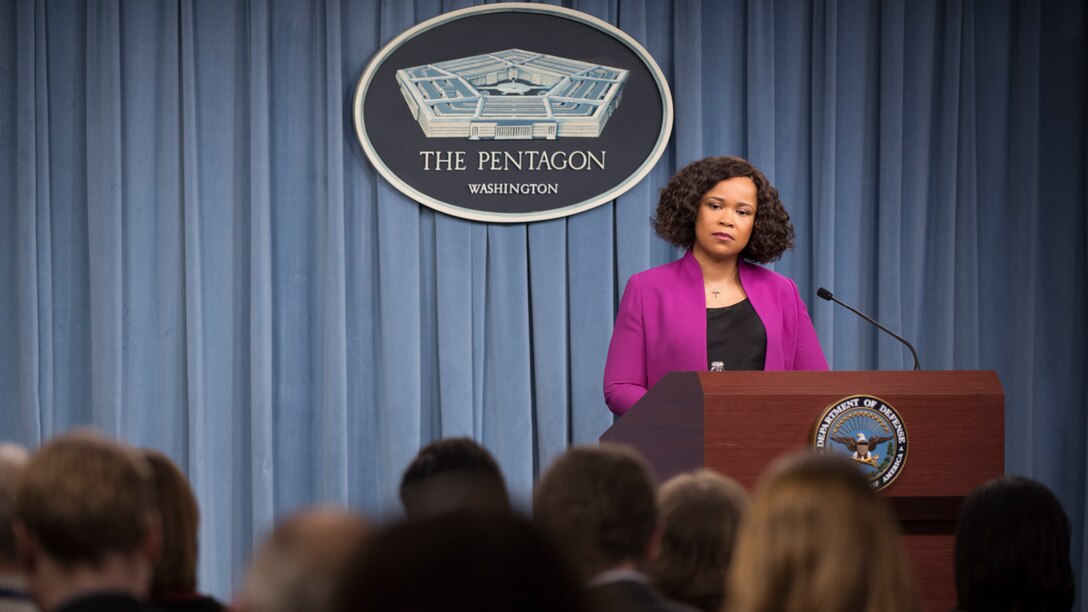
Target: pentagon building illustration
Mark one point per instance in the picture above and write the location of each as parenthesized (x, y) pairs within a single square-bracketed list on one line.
[(512, 95)]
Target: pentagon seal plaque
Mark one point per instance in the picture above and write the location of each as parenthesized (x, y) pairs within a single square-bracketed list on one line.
[(513, 112)]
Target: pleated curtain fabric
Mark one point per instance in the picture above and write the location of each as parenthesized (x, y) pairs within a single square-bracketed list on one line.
[(199, 257)]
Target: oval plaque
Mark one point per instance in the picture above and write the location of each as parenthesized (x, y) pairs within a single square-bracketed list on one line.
[(513, 112)]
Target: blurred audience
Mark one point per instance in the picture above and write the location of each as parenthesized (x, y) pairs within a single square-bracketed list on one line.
[(14, 593), (817, 537), (453, 474), (598, 505), (87, 525), (302, 563), (1012, 549), (173, 584), (700, 513), (461, 561)]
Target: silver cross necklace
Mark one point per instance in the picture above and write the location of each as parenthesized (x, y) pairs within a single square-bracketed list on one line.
[(715, 290)]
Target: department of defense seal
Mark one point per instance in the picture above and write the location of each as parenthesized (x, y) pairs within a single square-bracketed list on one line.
[(868, 431)]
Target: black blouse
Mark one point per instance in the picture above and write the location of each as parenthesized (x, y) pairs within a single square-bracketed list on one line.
[(735, 336)]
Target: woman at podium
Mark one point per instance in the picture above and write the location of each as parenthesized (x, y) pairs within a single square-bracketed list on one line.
[(714, 304)]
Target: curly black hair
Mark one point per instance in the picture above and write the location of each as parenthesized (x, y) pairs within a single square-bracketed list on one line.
[(674, 221)]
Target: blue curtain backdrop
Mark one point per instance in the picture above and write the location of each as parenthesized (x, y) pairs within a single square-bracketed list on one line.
[(198, 256)]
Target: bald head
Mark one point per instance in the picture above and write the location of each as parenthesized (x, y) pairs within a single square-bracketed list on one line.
[(13, 458), (13, 455), (299, 566)]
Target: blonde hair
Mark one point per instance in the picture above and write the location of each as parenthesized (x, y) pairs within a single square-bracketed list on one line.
[(700, 513), (818, 539)]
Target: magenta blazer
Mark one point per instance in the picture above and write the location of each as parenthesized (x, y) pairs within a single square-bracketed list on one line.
[(661, 327)]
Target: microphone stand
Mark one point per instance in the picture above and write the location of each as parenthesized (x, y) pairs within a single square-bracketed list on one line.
[(827, 295)]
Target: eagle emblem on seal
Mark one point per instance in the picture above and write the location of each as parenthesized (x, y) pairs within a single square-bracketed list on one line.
[(860, 446)]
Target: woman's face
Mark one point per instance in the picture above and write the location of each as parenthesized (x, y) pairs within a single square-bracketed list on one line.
[(725, 218)]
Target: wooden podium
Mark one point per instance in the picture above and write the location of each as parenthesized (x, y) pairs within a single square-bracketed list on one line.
[(738, 422)]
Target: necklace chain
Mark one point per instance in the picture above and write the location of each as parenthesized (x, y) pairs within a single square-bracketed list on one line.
[(714, 289)]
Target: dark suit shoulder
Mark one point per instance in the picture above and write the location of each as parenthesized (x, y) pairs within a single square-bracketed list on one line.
[(633, 596), (190, 604), (106, 602)]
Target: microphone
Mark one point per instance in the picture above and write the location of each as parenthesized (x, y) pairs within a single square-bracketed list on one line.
[(825, 294)]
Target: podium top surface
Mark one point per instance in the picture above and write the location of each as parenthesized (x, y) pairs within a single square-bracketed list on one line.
[(926, 382), (738, 422)]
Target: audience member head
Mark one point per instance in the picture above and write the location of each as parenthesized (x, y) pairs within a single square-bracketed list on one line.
[(13, 459), (461, 560), (1012, 549), (175, 571), (453, 474), (300, 565), (86, 519), (817, 537), (700, 515), (597, 504)]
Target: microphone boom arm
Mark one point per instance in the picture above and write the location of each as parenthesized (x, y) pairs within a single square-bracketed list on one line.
[(827, 295)]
